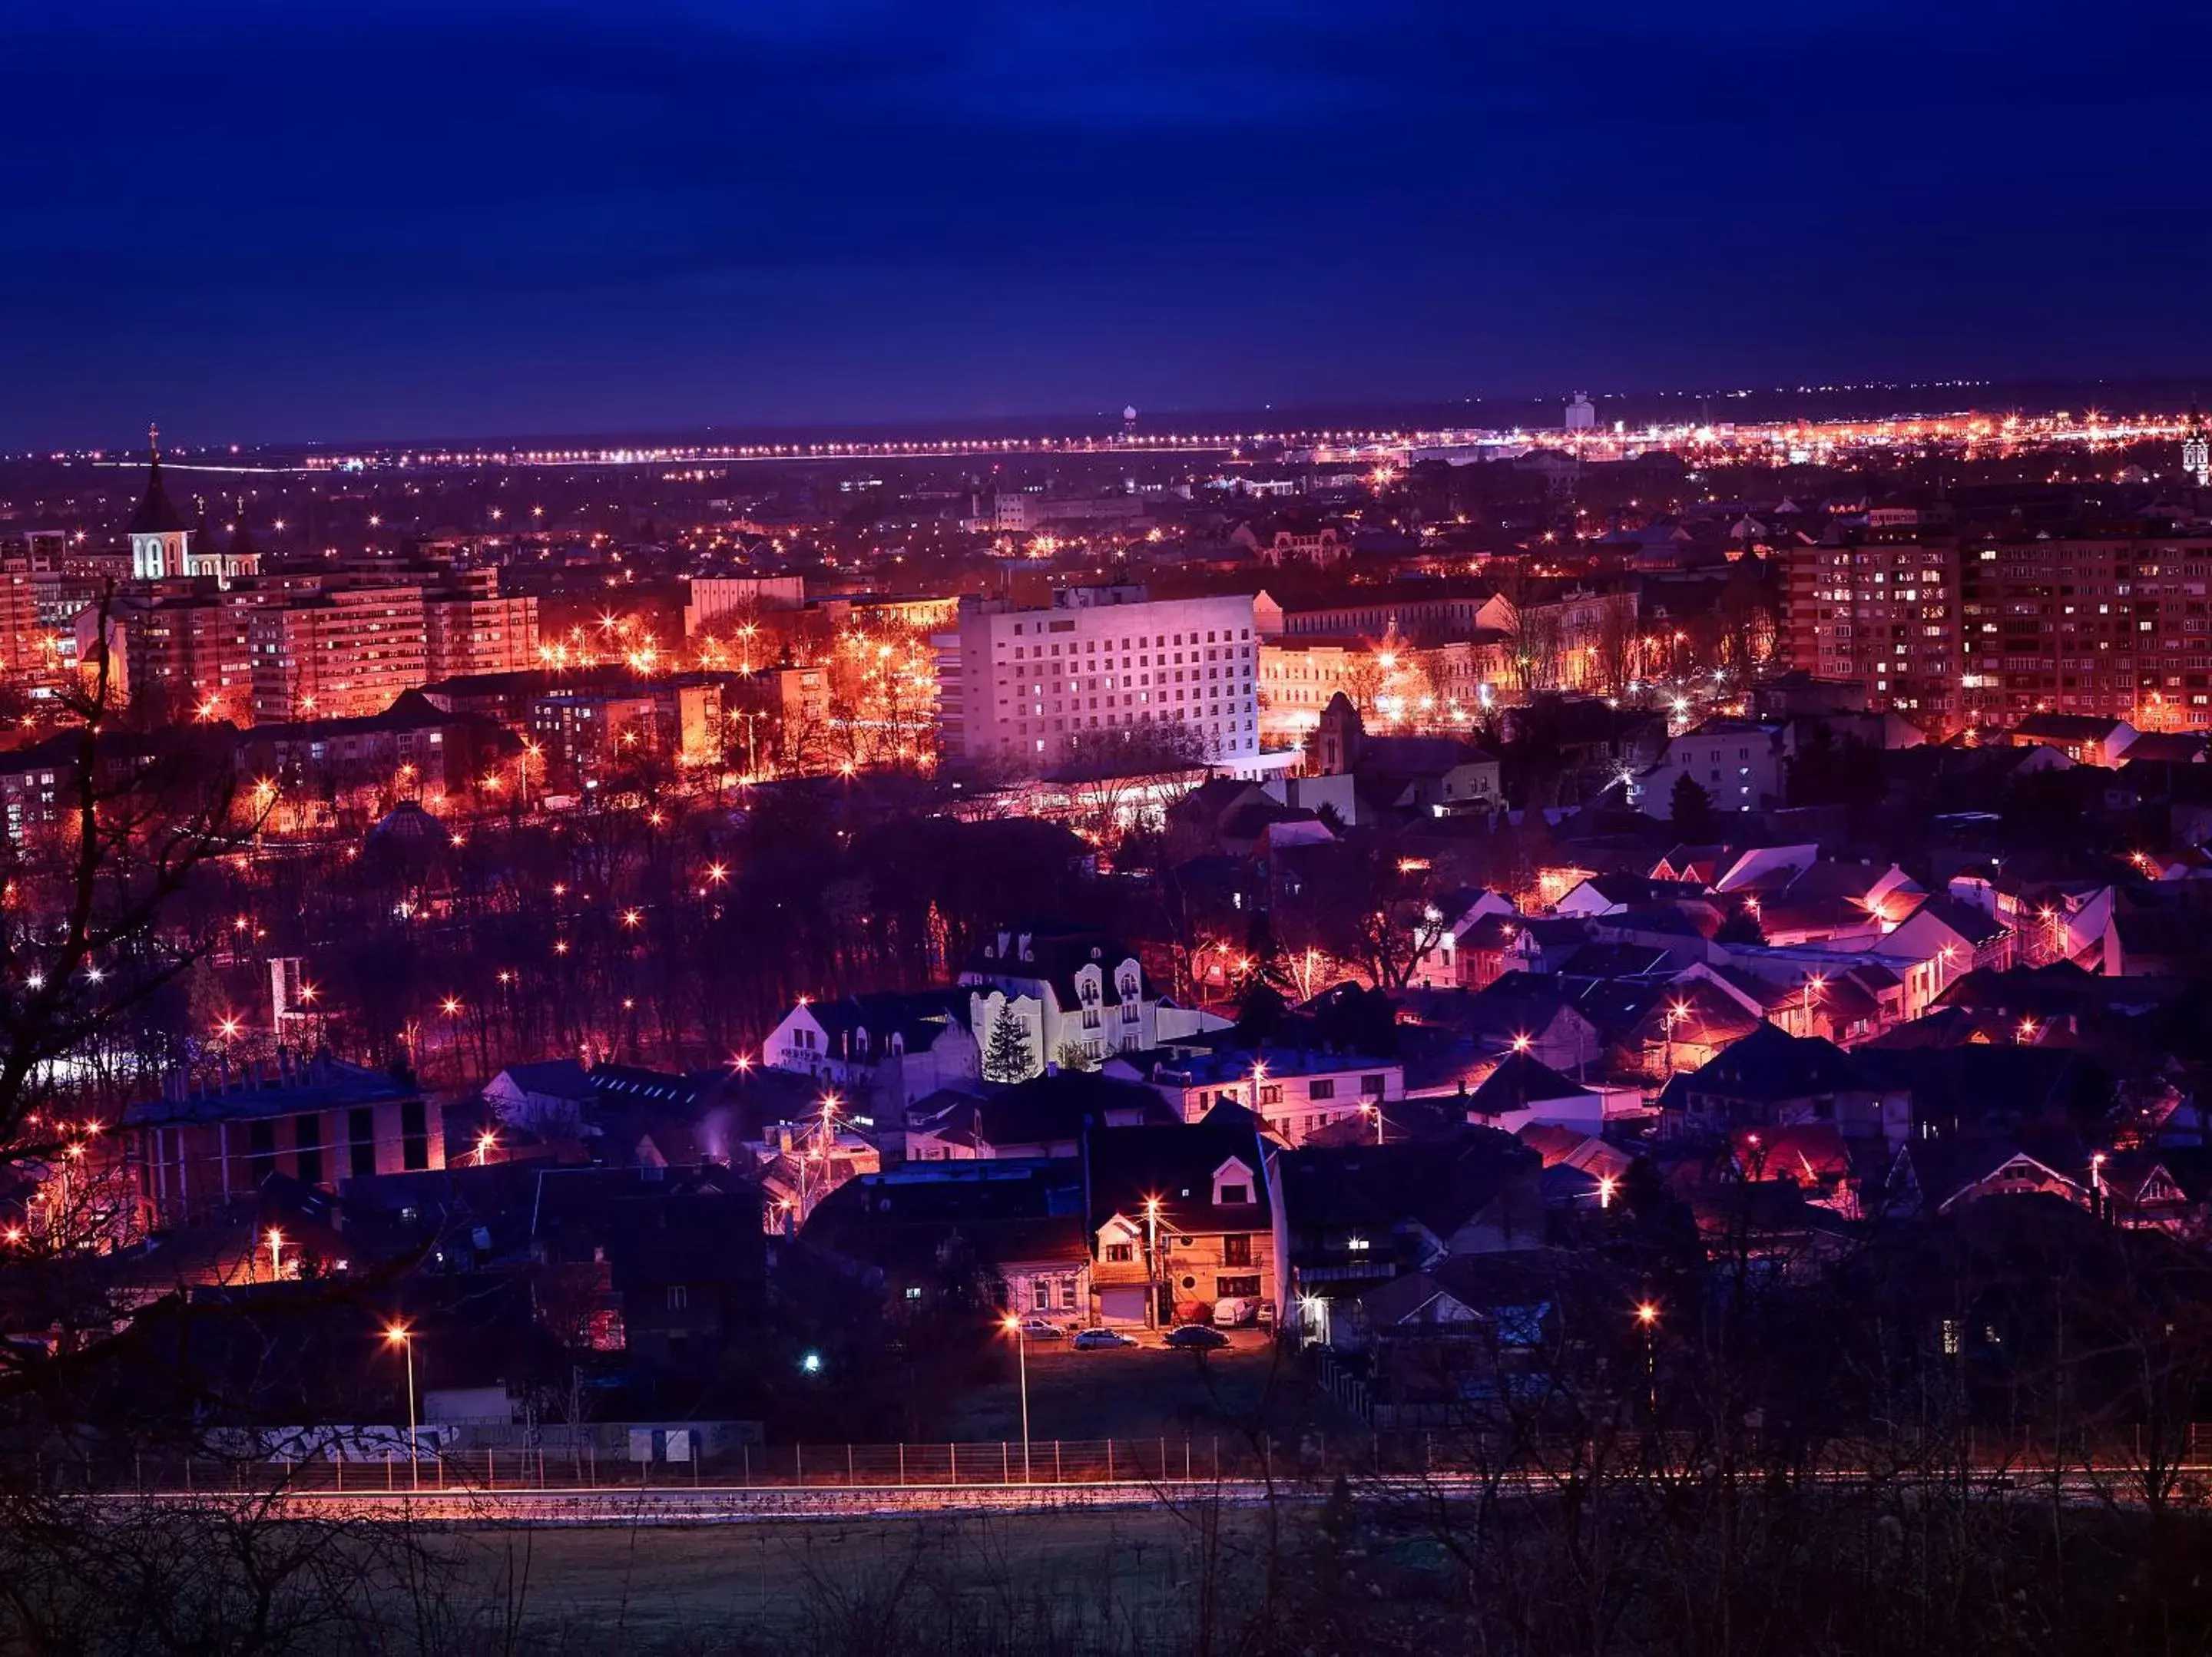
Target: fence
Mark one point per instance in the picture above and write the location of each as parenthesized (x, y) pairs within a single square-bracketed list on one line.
[(1144, 1462)]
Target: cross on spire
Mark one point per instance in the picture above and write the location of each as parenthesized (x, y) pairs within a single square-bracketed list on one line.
[(154, 439)]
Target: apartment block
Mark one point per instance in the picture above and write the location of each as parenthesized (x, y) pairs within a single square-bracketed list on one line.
[(341, 654), (1016, 684), (1879, 605), (2113, 627)]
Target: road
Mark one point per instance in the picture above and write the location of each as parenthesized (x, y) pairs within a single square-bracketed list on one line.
[(716, 1504)]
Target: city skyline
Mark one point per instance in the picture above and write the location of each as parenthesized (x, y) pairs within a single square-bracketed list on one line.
[(553, 219)]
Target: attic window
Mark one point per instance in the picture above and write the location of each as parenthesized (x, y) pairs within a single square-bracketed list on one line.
[(1231, 1195)]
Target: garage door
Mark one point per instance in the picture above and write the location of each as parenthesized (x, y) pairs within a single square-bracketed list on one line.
[(1122, 1305)]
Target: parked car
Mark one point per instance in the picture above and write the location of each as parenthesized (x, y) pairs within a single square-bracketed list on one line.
[(1040, 1329), (1197, 1335), (1095, 1340), (1235, 1312)]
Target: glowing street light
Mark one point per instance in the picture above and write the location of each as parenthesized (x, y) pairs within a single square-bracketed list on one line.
[(398, 1335), (1647, 1319), (275, 1253)]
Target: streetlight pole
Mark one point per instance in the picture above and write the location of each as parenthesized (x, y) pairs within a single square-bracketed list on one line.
[(1022, 1363), (1152, 1262), (1647, 1316), (398, 1336)]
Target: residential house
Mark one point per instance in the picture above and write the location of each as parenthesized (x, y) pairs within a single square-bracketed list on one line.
[(1075, 996), (1017, 1224), (1522, 1089), (1181, 1218), (550, 1098), (1295, 1092), (1352, 1216), (884, 1051), (1772, 1080)]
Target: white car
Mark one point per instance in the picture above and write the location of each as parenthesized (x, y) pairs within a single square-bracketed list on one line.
[(1040, 1329)]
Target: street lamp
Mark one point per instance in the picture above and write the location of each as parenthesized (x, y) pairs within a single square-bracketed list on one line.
[(1152, 1262), (1647, 1319), (1675, 1015), (1814, 985), (398, 1335), (275, 1253), (1013, 1326)]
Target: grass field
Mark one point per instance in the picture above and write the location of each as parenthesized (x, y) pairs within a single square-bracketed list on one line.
[(1125, 1582)]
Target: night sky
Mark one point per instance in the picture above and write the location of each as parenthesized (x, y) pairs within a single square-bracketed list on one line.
[(326, 219)]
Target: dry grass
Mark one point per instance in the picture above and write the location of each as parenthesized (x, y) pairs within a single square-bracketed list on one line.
[(1109, 1583)]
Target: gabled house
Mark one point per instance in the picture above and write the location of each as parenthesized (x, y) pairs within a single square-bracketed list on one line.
[(928, 1231), (1522, 1090), (1937, 1176), (1772, 1080), (883, 1051), (551, 1099), (1074, 997), (1181, 1218), (1296, 1092), (1469, 950), (1351, 1216)]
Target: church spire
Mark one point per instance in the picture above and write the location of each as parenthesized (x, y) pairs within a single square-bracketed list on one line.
[(2197, 450)]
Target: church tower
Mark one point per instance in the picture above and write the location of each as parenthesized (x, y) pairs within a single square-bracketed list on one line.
[(160, 542), (2196, 451)]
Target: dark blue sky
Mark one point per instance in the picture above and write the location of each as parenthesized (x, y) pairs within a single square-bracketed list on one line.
[(302, 218)]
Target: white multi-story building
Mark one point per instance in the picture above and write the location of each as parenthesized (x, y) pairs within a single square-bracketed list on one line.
[(1023, 683)]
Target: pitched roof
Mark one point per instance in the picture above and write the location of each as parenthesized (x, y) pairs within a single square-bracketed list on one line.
[(1055, 1107), (1770, 1064), (1441, 1185), (1055, 955), (1519, 1081), (156, 514), (558, 1078), (1127, 1166), (1003, 1210)]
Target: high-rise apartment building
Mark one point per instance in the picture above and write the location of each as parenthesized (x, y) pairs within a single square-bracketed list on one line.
[(471, 628), (1879, 605), (337, 655), (2114, 626), (1017, 685)]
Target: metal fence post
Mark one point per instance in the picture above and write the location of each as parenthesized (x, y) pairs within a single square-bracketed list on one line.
[(1057, 1478), (902, 1463)]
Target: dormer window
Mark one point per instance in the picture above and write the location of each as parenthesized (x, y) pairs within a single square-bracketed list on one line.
[(1232, 1185)]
